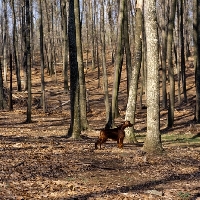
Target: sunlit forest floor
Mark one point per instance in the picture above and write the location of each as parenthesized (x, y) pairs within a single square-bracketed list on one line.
[(39, 162)]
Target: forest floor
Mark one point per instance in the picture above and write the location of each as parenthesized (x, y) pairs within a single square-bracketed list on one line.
[(39, 162)]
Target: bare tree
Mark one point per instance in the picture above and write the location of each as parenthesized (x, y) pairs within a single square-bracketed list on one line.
[(132, 99), (1, 88), (11, 87), (15, 47), (75, 126), (127, 45), (65, 43), (28, 57), (103, 53), (42, 57), (196, 10), (163, 58), (118, 62), (81, 75), (183, 76), (153, 137), (5, 40), (170, 64)]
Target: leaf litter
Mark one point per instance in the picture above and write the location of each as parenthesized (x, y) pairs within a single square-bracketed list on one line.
[(39, 162)]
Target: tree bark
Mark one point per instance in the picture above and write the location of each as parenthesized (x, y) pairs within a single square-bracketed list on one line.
[(28, 54), (163, 58), (15, 48), (197, 56), (183, 76), (42, 59), (75, 125), (152, 142), (65, 44), (1, 88), (103, 54), (5, 40), (127, 46), (132, 99), (118, 62), (82, 87), (11, 87), (170, 65)]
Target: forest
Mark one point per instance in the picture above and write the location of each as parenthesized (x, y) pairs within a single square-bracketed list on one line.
[(74, 73)]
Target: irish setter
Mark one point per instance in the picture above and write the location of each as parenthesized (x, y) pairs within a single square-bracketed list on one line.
[(116, 134)]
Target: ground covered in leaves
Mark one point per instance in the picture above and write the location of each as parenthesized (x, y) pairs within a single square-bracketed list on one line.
[(39, 162)]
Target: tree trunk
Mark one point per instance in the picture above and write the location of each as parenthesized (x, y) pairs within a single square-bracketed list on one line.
[(92, 27), (15, 47), (197, 47), (163, 59), (127, 46), (195, 32), (42, 59), (82, 87), (75, 125), (182, 52), (111, 29), (24, 38), (5, 40), (103, 53), (1, 88), (118, 62), (177, 53), (153, 138), (132, 100), (65, 44), (10, 92), (170, 65), (28, 53)]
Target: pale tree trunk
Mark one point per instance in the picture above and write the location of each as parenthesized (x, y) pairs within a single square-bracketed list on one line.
[(65, 44), (15, 48), (82, 87), (5, 40), (1, 88), (127, 46), (53, 45), (143, 72), (52, 50), (170, 65), (49, 46), (42, 58), (132, 99), (103, 53), (92, 27), (118, 62), (152, 142), (75, 125)]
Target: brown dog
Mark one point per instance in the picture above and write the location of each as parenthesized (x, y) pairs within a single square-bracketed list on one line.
[(116, 134)]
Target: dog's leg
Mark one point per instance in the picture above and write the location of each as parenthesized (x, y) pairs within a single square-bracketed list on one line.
[(120, 143), (103, 141), (96, 143)]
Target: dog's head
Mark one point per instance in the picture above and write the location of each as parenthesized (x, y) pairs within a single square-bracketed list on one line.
[(127, 124)]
